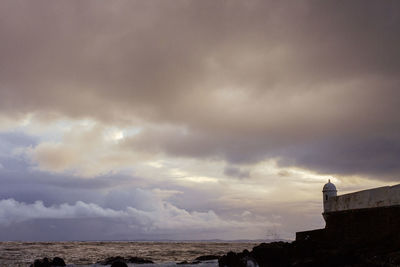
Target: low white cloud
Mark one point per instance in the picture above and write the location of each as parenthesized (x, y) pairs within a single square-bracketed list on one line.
[(163, 217), (13, 211)]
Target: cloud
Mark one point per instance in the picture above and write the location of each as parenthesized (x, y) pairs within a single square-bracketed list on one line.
[(146, 203), (186, 97), (13, 211), (375, 157), (236, 81), (163, 217), (84, 149), (158, 202), (11, 141), (236, 172)]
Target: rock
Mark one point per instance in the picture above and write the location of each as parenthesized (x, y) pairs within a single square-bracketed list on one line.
[(310, 254), (232, 259), (207, 258), (57, 261), (45, 262), (119, 264), (111, 260), (136, 260), (41, 263), (275, 254)]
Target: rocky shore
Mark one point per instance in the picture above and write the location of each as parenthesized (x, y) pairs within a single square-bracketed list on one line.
[(315, 254), (119, 261), (304, 253)]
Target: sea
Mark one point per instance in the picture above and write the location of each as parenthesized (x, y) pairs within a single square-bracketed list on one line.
[(85, 254)]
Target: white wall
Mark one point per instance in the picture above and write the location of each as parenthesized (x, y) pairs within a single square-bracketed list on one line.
[(377, 197)]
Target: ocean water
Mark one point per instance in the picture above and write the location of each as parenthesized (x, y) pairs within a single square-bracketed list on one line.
[(88, 253)]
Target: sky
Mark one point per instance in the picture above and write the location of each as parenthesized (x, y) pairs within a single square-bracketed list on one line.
[(192, 120)]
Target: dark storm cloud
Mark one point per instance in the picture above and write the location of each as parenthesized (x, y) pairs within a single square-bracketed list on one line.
[(378, 157), (314, 83)]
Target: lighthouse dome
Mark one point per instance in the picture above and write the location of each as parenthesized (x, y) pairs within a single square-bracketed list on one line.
[(329, 187)]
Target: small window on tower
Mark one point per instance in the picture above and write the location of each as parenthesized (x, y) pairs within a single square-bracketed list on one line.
[(326, 197)]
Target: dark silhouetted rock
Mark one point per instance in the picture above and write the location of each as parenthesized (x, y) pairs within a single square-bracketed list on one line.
[(111, 260), (314, 254), (45, 262), (136, 260), (232, 259), (207, 258), (119, 264), (57, 261)]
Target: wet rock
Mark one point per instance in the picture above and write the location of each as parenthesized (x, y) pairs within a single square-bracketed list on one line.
[(136, 260), (232, 259), (57, 261), (207, 258), (46, 262), (111, 260), (310, 254), (119, 264), (41, 263), (274, 254)]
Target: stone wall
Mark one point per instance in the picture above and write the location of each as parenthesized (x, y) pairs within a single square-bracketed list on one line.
[(358, 226), (377, 197)]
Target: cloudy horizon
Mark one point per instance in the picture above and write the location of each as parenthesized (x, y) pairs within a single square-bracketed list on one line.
[(185, 120)]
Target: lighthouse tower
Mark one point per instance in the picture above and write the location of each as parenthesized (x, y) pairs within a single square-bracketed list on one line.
[(328, 191)]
